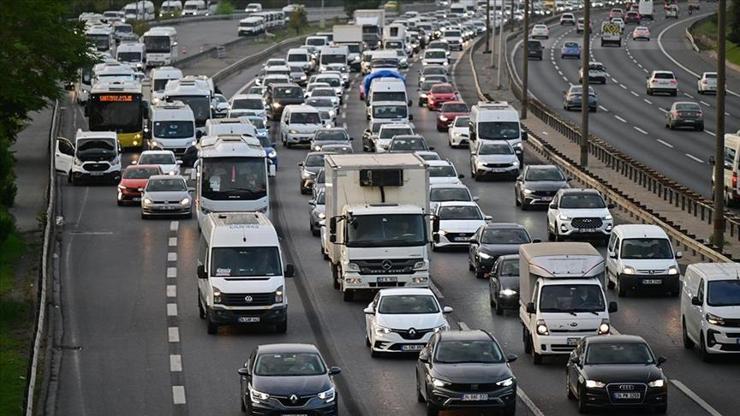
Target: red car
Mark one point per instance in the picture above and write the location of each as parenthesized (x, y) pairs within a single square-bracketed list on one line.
[(632, 17), (133, 178), (439, 94), (447, 113), (615, 12)]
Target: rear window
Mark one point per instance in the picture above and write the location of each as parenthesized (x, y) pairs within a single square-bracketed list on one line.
[(443, 89), (664, 75), (455, 108), (534, 44)]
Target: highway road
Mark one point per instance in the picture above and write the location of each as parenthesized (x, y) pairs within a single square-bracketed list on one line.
[(133, 342), (627, 117)]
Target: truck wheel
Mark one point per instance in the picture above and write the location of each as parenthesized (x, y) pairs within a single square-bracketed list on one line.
[(348, 295), (621, 290), (536, 358), (212, 326), (201, 309), (527, 340), (282, 327), (335, 276), (687, 342)]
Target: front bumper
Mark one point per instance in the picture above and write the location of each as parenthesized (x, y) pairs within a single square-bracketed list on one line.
[(604, 397), (558, 344), (274, 315), (722, 339), (692, 122), (650, 282), (483, 171), (274, 407), (459, 140), (454, 240), (357, 281), (448, 399), (298, 138), (393, 342), (165, 209), (533, 199), (97, 176)]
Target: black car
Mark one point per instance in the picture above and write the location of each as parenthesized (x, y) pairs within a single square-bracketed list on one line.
[(616, 371), (492, 241), (280, 95), (538, 184), (535, 49), (503, 283), (288, 378), (465, 369)]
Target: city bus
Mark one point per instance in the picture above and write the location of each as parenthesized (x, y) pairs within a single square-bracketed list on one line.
[(118, 106)]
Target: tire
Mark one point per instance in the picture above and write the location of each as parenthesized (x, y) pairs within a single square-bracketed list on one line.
[(582, 408), (243, 407), (527, 340), (687, 342), (201, 310), (499, 309), (621, 291), (705, 355), (119, 202), (479, 274), (367, 341), (525, 205), (432, 410), (348, 295), (517, 202), (649, 91), (282, 327), (335, 277), (212, 327), (536, 358), (570, 394), (509, 410), (550, 236)]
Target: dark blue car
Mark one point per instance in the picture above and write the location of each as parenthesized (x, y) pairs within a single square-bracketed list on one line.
[(570, 50)]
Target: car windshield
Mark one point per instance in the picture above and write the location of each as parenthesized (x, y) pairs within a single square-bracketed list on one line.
[(443, 89), (442, 171), (289, 364), (688, 107), (646, 248), (386, 230), (571, 45), (498, 130), (571, 298), (462, 351), (723, 293), (710, 75), (436, 55), (534, 44), (619, 353), (257, 122), (389, 132), (449, 194), (157, 159), (410, 144), (435, 70), (333, 81), (297, 57), (288, 92), (460, 212), (390, 111), (245, 261), (407, 304), (314, 161), (495, 149), (550, 174), (248, 104), (452, 33), (166, 185), (139, 172), (504, 236), (455, 108), (331, 135), (582, 200), (173, 129), (510, 268), (305, 118), (320, 102), (462, 121)]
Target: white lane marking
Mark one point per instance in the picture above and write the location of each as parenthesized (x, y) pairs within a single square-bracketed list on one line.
[(344, 125), (174, 225), (529, 403), (172, 272), (662, 49), (178, 395), (614, 80), (634, 93), (171, 291), (694, 158), (647, 101), (727, 114), (640, 130), (603, 108), (565, 78), (645, 71), (436, 291), (463, 326), (639, 65), (666, 144), (171, 309), (545, 133), (92, 232), (173, 334), (711, 133), (662, 109), (624, 87), (620, 118), (695, 397), (560, 73), (175, 363), (171, 256), (172, 242), (704, 103), (688, 95)]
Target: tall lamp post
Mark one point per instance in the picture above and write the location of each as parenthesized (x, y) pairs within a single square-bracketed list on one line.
[(584, 81), (718, 220), (525, 75)]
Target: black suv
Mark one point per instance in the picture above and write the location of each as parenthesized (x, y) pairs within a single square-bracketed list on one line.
[(535, 49)]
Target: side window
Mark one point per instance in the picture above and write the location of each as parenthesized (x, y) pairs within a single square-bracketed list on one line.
[(617, 244), (729, 158), (202, 251), (700, 291), (66, 147), (376, 300), (611, 245)]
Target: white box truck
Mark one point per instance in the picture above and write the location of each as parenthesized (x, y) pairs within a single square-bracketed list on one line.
[(351, 37), (377, 213), (371, 21), (561, 298)]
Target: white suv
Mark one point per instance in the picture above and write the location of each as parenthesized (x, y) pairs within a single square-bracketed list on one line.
[(578, 212), (662, 81), (707, 83), (540, 31)]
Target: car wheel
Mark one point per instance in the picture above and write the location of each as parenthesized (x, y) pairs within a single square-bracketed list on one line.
[(536, 357), (119, 202), (499, 308), (201, 309), (526, 340), (243, 406), (432, 410), (282, 327), (609, 282), (661, 410), (700, 127), (525, 205), (687, 342), (674, 93), (479, 274), (335, 277), (212, 327), (621, 290), (582, 408), (510, 410), (570, 395), (348, 295), (550, 236), (649, 91), (419, 396)]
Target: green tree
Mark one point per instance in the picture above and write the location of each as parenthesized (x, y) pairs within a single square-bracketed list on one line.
[(733, 20), (39, 50), (224, 7), (351, 6), (298, 20)]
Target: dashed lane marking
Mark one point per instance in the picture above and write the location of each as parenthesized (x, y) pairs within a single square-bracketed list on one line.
[(171, 309), (624, 87), (173, 334), (174, 225), (620, 119), (603, 108), (688, 95), (711, 133), (640, 130), (172, 242), (171, 272), (175, 363), (647, 101), (171, 256), (463, 326), (529, 403), (614, 80), (704, 103), (171, 291), (178, 395), (694, 158), (666, 144), (634, 93)]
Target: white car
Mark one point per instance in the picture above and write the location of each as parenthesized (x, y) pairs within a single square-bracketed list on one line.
[(456, 222), (459, 132), (567, 19), (492, 159), (442, 171), (662, 81), (245, 105), (707, 83), (387, 132), (578, 212), (325, 92), (165, 159), (428, 155), (449, 192), (540, 31), (403, 320)]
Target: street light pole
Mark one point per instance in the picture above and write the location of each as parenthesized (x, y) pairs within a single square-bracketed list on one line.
[(488, 27), (501, 44), (584, 81), (493, 35), (718, 220), (525, 75)]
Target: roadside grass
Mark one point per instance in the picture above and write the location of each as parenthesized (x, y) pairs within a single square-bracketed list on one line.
[(705, 35), (286, 32), (15, 319)]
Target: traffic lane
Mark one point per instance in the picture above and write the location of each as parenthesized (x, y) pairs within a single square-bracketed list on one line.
[(112, 281)]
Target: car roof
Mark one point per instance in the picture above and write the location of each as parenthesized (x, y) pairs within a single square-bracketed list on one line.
[(131, 167), (458, 204), (156, 152), (447, 185), (286, 348), (640, 231), (504, 225), (469, 335), (579, 190), (406, 291), (157, 177), (439, 163), (614, 339)]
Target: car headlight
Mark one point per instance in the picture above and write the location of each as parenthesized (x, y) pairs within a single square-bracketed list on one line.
[(608, 217), (147, 201), (443, 117), (279, 295), (507, 292), (77, 162), (715, 320), (328, 396), (257, 396), (563, 217), (604, 327), (194, 142), (542, 327), (322, 215), (154, 143), (594, 384), (673, 270), (353, 267), (381, 330), (293, 131), (528, 191), (505, 382), (272, 154), (628, 270), (275, 105), (484, 256), (332, 114), (657, 383), (421, 265), (316, 148), (307, 174), (440, 383), (442, 232), (185, 202), (216, 295), (423, 95)]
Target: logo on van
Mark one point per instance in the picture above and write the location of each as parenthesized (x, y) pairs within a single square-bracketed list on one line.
[(248, 299)]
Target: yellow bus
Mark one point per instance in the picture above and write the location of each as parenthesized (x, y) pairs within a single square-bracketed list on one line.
[(118, 106)]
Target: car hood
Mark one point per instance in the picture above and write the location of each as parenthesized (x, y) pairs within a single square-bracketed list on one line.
[(499, 249), (416, 321), (452, 114), (471, 373), (621, 373), (584, 212), (166, 195), (442, 96), (460, 226), (496, 158), (545, 185), (661, 265), (285, 386), (134, 183), (509, 282)]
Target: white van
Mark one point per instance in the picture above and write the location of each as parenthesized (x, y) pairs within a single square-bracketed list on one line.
[(386, 90), (172, 127), (250, 26), (132, 54), (170, 8), (710, 308), (731, 165), (94, 156), (159, 78), (195, 8), (300, 57), (241, 272), (640, 258), (497, 121), (298, 124)]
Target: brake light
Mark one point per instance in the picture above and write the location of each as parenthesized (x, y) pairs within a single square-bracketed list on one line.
[(734, 180), (673, 81)]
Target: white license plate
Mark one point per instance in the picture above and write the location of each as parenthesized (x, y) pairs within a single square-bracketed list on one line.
[(652, 281), (475, 397), (462, 238), (249, 319), (626, 395), (295, 414), (96, 173), (417, 347), (547, 198), (387, 279), (587, 230), (136, 198), (573, 341)]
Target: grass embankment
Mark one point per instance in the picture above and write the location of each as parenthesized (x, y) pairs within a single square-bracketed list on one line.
[(16, 321), (705, 37)]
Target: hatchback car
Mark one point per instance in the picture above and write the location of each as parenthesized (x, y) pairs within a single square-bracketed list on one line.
[(572, 99), (707, 84), (442, 171), (492, 241), (459, 132), (632, 17), (537, 185), (493, 158), (662, 81), (570, 50), (456, 222), (133, 180), (288, 378), (535, 49), (465, 369), (247, 105), (165, 159), (387, 132), (334, 135), (684, 114), (641, 33), (316, 212), (408, 144), (432, 70), (540, 31), (447, 192), (402, 320), (503, 283), (166, 195), (439, 94), (449, 111), (616, 371)]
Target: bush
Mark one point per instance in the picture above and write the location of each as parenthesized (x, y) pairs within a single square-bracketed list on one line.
[(224, 7), (7, 224)]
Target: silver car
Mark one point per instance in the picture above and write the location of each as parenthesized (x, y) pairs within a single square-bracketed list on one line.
[(316, 213), (166, 195)]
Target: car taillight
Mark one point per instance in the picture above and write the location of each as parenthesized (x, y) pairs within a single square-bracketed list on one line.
[(673, 81), (734, 180)]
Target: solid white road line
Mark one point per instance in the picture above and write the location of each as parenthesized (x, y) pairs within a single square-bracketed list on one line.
[(171, 309), (175, 362), (695, 397), (173, 334), (178, 395), (640, 130), (171, 256), (694, 158), (620, 119), (666, 144), (662, 109), (171, 291)]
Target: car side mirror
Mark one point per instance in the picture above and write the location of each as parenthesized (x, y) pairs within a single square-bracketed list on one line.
[(461, 176), (351, 138), (488, 218), (334, 371), (410, 103), (695, 301), (289, 270), (244, 372), (573, 359), (140, 189), (369, 310), (568, 179), (553, 206), (201, 272), (447, 309), (312, 203), (536, 240), (530, 307), (411, 116), (613, 255), (519, 178), (525, 136), (300, 163), (613, 307), (510, 358), (679, 255), (661, 360), (476, 198), (178, 162), (611, 206)]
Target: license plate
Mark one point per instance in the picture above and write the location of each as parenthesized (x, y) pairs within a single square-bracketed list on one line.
[(295, 414), (626, 395), (573, 341), (249, 319), (387, 279), (652, 281), (547, 198), (96, 173), (475, 397), (587, 230), (462, 238), (416, 347), (136, 198)]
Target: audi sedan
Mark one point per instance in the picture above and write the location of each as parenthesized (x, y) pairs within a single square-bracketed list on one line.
[(616, 371), (287, 379), (572, 99)]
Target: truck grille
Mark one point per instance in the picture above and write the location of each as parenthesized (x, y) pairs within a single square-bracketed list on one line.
[(247, 299), (96, 167), (386, 266), (586, 222), (498, 165)]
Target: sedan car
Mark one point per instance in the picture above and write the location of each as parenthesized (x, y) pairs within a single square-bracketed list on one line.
[(316, 213), (492, 241), (447, 192), (596, 73), (459, 132), (402, 320), (456, 223), (540, 31), (707, 84), (442, 171), (463, 370), (535, 49), (503, 283), (166, 195), (572, 99), (408, 144), (489, 159), (662, 81), (448, 111), (133, 180), (247, 105), (570, 50), (334, 135), (632, 17), (310, 167), (685, 114), (431, 70), (616, 371), (439, 94), (288, 378), (165, 159), (537, 185), (641, 33)]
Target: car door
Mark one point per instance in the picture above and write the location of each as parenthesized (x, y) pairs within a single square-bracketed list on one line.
[(370, 319), (693, 323), (552, 213), (612, 256), (520, 182), (577, 375), (64, 154), (422, 368), (572, 369), (494, 283)]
